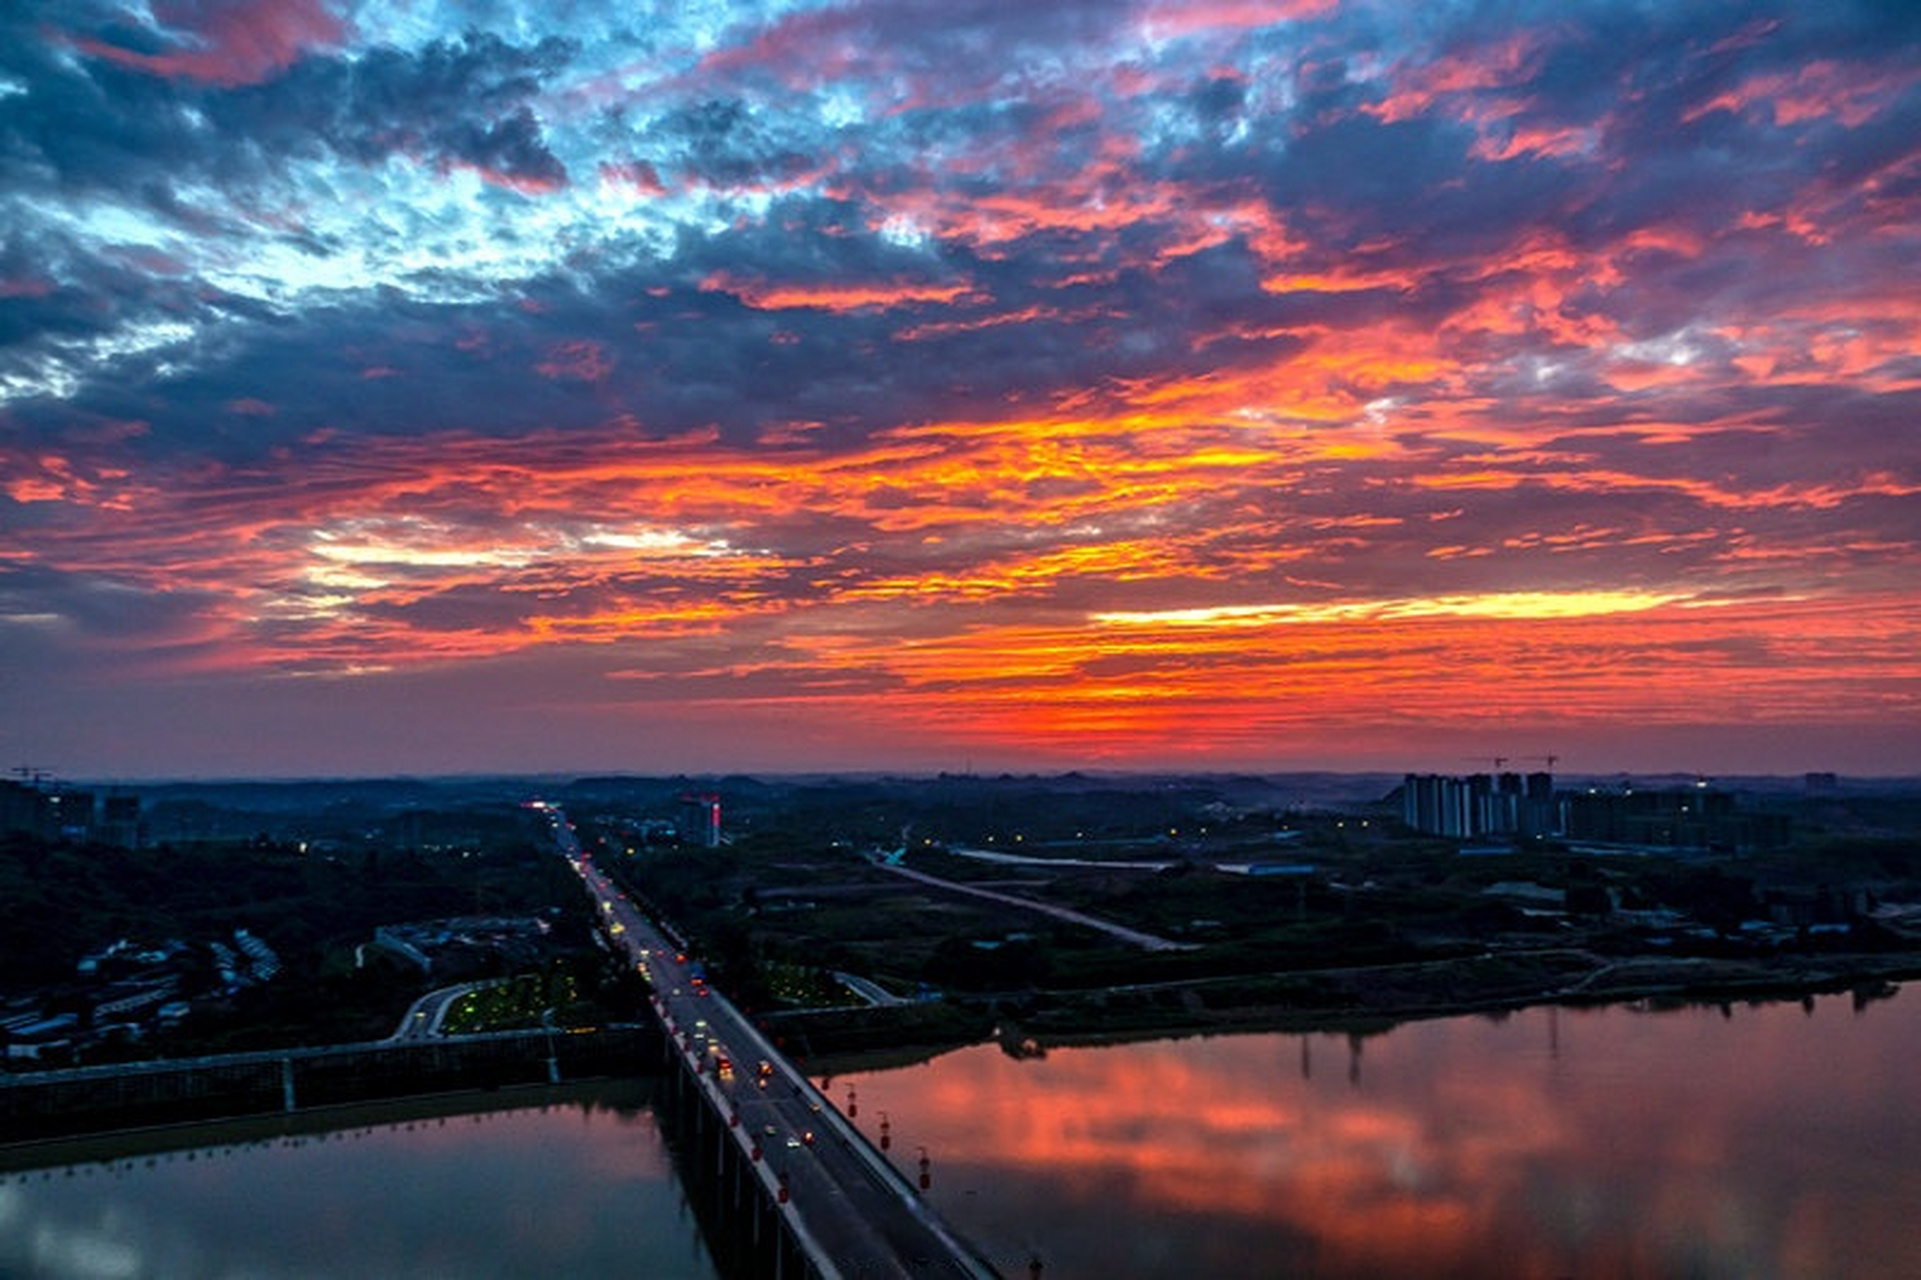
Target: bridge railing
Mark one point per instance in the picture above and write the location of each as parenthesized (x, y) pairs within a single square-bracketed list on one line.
[(884, 1172)]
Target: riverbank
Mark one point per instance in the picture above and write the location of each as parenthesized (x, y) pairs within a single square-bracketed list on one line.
[(1363, 999), (615, 1093)]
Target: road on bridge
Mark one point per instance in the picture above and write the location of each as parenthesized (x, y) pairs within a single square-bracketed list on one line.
[(859, 1215)]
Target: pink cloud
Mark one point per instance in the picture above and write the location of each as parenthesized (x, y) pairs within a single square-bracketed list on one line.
[(25, 287), (578, 359), (638, 175), (230, 42)]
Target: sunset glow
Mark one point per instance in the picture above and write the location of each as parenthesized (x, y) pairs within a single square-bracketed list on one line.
[(871, 385)]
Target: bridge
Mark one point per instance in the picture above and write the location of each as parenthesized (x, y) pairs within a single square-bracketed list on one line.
[(50, 1106), (805, 1193)]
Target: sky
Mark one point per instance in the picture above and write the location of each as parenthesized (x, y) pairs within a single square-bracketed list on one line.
[(451, 386)]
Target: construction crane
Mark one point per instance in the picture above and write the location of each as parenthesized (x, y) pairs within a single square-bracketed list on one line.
[(1498, 761)]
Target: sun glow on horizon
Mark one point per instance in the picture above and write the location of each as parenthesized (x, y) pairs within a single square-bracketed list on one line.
[(1504, 604)]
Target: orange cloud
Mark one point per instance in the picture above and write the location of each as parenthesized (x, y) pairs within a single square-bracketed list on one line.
[(833, 297)]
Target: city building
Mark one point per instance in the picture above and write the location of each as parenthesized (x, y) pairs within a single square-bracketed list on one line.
[(44, 808), (1696, 817), (120, 821), (1481, 804), (23, 808), (70, 814), (700, 820)]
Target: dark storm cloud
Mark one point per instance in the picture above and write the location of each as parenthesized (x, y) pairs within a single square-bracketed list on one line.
[(685, 358), (695, 358), (81, 124), (50, 612), (36, 301), (66, 130), (453, 101), (724, 143)]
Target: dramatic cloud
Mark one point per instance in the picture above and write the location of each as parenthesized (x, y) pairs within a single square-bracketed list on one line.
[(447, 386)]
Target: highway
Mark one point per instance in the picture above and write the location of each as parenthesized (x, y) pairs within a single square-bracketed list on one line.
[(856, 1213), (1134, 937)]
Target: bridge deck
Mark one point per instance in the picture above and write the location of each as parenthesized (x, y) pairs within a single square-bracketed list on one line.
[(852, 1210)]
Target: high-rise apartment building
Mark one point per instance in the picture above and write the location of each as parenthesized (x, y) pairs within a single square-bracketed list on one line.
[(1481, 804), (700, 820)]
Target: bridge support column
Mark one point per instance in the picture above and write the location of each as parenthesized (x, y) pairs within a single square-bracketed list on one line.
[(288, 1101), (738, 1184)]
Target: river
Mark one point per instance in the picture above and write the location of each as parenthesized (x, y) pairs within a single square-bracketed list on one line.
[(1778, 1140), (574, 1182), (1753, 1141)]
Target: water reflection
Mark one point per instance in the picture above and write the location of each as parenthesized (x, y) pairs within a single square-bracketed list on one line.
[(1769, 1141), (580, 1187), (1774, 1140)]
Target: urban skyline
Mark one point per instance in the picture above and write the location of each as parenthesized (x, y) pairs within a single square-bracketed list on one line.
[(457, 388)]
